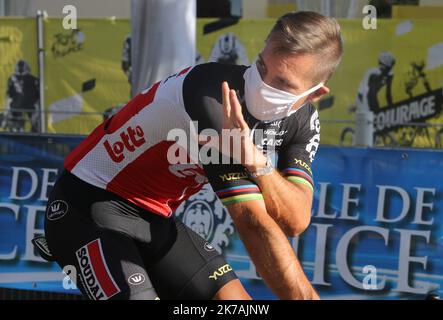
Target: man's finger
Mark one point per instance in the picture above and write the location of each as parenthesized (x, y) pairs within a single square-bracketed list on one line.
[(236, 109), (226, 102)]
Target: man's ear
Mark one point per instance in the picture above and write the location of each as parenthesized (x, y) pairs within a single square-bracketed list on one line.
[(316, 96)]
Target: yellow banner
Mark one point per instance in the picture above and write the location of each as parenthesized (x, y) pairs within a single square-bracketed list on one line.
[(87, 72), (417, 75), (84, 72), (18, 55)]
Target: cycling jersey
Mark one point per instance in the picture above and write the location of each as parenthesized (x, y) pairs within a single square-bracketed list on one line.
[(128, 153)]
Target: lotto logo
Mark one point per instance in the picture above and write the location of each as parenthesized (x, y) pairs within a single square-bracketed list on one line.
[(130, 140)]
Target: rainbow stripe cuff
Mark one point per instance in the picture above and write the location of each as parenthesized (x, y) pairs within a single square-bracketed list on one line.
[(241, 198), (301, 181), (299, 176), (239, 194)]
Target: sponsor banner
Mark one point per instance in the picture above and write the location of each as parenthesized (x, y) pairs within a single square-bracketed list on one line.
[(417, 109), (86, 71), (375, 232), (376, 212), (18, 40), (412, 50), (18, 73), (394, 71), (29, 166)]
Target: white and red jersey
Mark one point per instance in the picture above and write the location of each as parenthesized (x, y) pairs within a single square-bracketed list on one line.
[(128, 153)]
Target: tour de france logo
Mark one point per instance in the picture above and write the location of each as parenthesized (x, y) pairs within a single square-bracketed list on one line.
[(206, 216), (67, 42)]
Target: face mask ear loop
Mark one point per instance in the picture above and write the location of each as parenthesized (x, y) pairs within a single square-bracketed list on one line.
[(312, 90), (307, 93)]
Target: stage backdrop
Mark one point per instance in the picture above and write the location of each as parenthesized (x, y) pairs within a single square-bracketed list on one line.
[(417, 76), (87, 70), (376, 230), (18, 41)]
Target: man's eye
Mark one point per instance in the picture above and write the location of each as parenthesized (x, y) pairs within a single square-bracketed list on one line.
[(261, 69), (261, 64), (283, 84)]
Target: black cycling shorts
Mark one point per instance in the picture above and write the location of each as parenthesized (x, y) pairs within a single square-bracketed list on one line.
[(121, 251)]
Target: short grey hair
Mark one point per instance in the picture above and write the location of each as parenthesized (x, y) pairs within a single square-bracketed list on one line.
[(307, 32)]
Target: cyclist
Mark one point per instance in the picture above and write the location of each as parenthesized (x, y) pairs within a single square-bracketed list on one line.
[(373, 81), (22, 98), (110, 213), (229, 50)]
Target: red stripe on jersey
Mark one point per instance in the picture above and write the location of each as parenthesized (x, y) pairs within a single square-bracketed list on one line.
[(150, 182), (183, 71), (83, 148), (301, 174), (233, 192), (109, 126), (101, 272), (133, 107)]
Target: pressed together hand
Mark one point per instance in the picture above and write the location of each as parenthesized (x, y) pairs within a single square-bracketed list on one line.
[(235, 140)]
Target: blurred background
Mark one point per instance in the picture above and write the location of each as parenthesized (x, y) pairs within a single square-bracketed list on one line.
[(378, 171), (86, 72)]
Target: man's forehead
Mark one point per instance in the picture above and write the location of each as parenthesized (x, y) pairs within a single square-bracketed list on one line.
[(297, 69)]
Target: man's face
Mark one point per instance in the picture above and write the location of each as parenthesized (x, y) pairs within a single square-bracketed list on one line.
[(22, 68), (289, 72)]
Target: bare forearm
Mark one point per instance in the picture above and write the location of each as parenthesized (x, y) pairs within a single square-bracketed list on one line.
[(288, 204), (274, 257)]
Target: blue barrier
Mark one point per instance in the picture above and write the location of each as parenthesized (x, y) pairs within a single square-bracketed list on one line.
[(376, 229)]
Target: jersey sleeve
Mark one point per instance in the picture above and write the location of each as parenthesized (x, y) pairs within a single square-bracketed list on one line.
[(171, 87), (295, 160), (231, 183), (203, 103)]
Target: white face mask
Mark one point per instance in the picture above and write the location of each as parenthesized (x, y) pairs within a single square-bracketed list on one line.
[(266, 103)]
